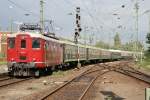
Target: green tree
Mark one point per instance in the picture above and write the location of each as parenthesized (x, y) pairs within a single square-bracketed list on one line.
[(130, 46), (102, 44), (147, 53), (117, 41)]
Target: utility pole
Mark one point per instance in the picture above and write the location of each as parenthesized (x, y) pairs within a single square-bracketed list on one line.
[(42, 15), (136, 28), (11, 25), (91, 38), (77, 34), (11, 21), (149, 21), (85, 35)]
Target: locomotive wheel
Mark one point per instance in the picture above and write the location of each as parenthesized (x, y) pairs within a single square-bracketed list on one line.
[(11, 73)]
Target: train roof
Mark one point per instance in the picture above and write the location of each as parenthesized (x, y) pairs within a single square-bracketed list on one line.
[(80, 45), (37, 34)]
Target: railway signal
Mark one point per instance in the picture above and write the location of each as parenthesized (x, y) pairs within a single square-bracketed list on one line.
[(78, 26), (78, 29)]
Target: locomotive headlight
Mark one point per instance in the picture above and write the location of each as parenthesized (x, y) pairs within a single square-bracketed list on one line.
[(33, 59), (12, 59)]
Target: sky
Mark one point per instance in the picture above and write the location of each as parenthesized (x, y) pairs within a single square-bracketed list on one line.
[(100, 19)]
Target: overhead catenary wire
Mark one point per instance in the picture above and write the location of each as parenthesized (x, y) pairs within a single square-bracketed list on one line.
[(36, 15), (90, 15), (95, 19), (98, 20), (86, 10), (70, 3), (25, 9), (22, 8)]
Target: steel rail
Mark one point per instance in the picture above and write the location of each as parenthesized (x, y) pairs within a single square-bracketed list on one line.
[(57, 89), (3, 79), (132, 72), (3, 74), (94, 70), (134, 75), (11, 83), (91, 83), (135, 71)]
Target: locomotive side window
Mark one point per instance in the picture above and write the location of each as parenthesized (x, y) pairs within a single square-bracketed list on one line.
[(35, 43), (23, 43), (11, 42)]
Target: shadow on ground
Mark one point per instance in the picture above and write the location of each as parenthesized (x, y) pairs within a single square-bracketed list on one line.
[(108, 95)]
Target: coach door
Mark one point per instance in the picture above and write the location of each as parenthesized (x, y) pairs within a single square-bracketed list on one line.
[(22, 47)]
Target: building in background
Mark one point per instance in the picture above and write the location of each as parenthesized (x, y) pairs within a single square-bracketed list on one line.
[(3, 45)]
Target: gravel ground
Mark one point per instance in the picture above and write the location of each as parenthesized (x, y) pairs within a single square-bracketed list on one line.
[(119, 87), (3, 69)]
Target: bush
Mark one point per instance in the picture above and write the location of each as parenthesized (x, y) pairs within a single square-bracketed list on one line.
[(2, 55)]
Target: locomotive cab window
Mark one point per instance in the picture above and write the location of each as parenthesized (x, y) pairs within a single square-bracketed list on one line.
[(11, 42), (23, 43), (35, 43)]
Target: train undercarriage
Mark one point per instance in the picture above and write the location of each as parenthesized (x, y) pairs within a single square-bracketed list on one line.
[(29, 69), (22, 69)]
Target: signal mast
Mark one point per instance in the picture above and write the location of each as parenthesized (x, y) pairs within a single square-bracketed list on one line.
[(77, 34), (42, 15)]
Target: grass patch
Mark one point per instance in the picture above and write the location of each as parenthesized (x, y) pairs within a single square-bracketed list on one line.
[(144, 64), (59, 73), (3, 63)]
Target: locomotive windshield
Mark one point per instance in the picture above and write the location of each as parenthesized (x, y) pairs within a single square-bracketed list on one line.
[(11, 42), (23, 43), (35, 43)]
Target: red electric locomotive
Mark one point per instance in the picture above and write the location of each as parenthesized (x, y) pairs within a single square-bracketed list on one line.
[(30, 51)]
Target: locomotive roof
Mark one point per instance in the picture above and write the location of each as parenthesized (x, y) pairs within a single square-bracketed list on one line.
[(35, 34)]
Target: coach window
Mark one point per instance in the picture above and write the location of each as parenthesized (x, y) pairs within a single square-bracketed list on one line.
[(23, 43), (35, 43), (11, 42)]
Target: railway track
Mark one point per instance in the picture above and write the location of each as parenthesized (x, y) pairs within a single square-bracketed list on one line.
[(4, 78), (3, 75), (76, 90), (11, 81), (135, 74), (130, 71), (80, 87), (77, 87)]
